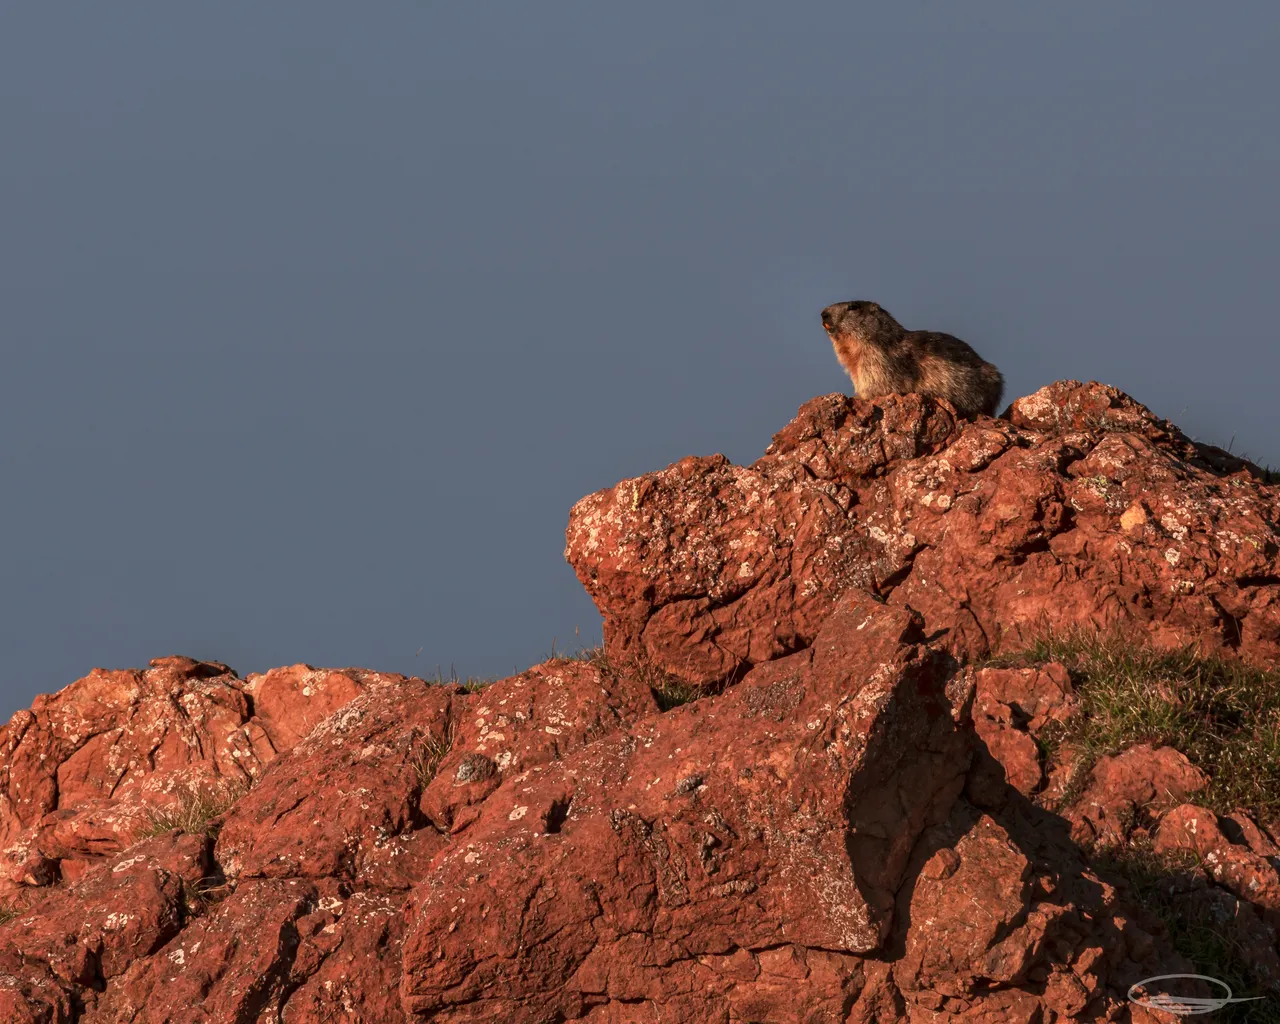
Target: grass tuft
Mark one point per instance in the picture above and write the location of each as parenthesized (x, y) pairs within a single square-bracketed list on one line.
[(671, 693), (8, 912), (195, 813), (472, 684), (427, 753)]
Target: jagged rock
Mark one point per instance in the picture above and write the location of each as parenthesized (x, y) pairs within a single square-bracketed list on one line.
[(288, 949), (76, 941), (1082, 509), (1249, 875), (85, 770), (777, 816), (1011, 708), (1139, 779)]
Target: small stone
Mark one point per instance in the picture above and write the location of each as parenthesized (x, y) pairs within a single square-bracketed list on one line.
[(474, 768)]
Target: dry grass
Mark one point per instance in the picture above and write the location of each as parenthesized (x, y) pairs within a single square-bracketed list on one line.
[(472, 684), (426, 754), (196, 812)]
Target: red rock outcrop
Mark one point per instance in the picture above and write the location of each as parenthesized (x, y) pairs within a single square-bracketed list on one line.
[(1242, 870), (85, 770), (1083, 508), (846, 827), (1011, 709), (779, 816)]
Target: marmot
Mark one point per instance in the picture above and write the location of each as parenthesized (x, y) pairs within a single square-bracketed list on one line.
[(884, 358)]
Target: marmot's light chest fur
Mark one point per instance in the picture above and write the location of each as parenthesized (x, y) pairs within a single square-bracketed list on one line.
[(884, 358)]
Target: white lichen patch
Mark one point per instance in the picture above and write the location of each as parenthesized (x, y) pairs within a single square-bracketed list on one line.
[(1174, 528), (1038, 406)]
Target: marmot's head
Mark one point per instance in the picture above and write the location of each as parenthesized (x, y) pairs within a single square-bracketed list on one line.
[(866, 322)]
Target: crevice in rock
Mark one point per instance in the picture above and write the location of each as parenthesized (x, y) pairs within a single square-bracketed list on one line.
[(556, 815), (281, 813), (78, 1008), (1069, 458), (211, 890), (896, 579), (98, 981), (1032, 547), (275, 985), (986, 640), (1232, 627), (1258, 581)]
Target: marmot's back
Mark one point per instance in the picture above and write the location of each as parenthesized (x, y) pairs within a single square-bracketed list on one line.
[(951, 369), (883, 358)]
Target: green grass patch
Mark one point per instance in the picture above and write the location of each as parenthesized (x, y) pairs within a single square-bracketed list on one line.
[(8, 912), (1223, 714)]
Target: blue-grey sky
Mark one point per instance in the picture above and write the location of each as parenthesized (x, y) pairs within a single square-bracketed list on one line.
[(317, 318)]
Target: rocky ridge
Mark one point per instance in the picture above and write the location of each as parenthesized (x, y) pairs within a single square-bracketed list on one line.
[(849, 824)]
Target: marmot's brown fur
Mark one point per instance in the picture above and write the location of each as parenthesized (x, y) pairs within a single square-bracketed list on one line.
[(884, 358)]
